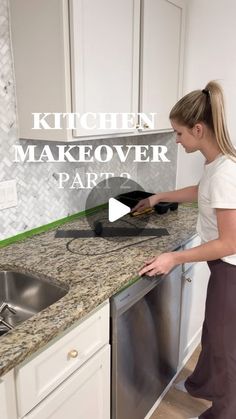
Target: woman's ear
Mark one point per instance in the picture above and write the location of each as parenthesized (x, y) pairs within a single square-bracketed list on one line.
[(198, 130)]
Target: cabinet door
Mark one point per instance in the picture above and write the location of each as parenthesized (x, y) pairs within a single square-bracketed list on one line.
[(84, 395), (193, 242), (162, 58), (3, 400), (105, 60), (40, 40), (194, 286), (7, 397)]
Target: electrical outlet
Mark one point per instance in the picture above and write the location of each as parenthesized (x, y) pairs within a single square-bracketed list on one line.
[(8, 194)]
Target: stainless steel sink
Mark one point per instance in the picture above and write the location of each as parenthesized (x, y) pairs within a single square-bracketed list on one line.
[(23, 295)]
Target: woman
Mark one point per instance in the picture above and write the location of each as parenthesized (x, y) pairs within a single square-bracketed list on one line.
[(199, 122)]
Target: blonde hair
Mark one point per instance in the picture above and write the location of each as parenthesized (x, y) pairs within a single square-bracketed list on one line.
[(205, 106)]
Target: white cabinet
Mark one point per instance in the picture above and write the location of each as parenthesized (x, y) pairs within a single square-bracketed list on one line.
[(65, 374), (105, 59), (194, 287), (7, 396), (162, 58), (84, 395), (83, 58), (76, 56), (40, 38)]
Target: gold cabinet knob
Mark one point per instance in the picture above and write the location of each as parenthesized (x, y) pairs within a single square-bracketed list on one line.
[(146, 125), (73, 353)]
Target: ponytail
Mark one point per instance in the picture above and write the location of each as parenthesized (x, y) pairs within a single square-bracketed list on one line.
[(205, 106)]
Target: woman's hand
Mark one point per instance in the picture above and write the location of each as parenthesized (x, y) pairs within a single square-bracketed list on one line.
[(146, 203), (158, 265)]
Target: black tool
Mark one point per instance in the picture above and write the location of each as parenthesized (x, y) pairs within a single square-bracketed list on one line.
[(98, 228), (111, 232), (132, 198)]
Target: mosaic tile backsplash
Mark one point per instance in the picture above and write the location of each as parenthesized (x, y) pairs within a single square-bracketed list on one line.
[(40, 200)]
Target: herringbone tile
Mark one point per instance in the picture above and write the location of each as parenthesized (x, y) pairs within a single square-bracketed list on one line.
[(40, 201)]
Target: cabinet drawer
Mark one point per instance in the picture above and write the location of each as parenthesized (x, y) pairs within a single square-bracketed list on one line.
[(84, 395), (195, 241), (42, 374)]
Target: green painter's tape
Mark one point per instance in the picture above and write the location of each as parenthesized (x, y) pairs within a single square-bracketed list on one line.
[(57, 223), (131, 281), (50, 226), (190, 204)]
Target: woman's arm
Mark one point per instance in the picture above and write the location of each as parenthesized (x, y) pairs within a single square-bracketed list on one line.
[(224, 245), (188, 194)]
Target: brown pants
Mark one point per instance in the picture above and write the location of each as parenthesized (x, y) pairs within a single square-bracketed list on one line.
[(214, 377)]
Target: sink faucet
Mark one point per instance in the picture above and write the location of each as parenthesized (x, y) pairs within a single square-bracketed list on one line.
[(5, 323), (6, 306)]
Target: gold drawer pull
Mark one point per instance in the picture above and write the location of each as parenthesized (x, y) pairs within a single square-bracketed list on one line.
[(73, 354)]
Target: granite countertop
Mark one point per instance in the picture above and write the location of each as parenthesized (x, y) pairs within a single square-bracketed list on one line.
[(97, 269)]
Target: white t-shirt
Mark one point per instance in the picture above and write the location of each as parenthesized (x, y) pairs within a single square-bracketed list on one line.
[(217, 189)]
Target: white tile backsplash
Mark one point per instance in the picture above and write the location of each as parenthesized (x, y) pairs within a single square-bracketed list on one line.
[(40, 201)]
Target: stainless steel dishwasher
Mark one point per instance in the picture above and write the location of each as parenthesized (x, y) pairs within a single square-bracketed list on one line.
[(145, 324)]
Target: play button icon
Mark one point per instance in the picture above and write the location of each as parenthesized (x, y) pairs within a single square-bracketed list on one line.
[(108, 210), (116, 210)]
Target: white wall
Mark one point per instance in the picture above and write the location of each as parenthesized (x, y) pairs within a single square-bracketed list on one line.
[(210, 55)]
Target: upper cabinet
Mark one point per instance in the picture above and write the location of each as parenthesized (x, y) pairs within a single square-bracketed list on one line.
[(105, 60), (41, 57), (161, 58), (86, 68)]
